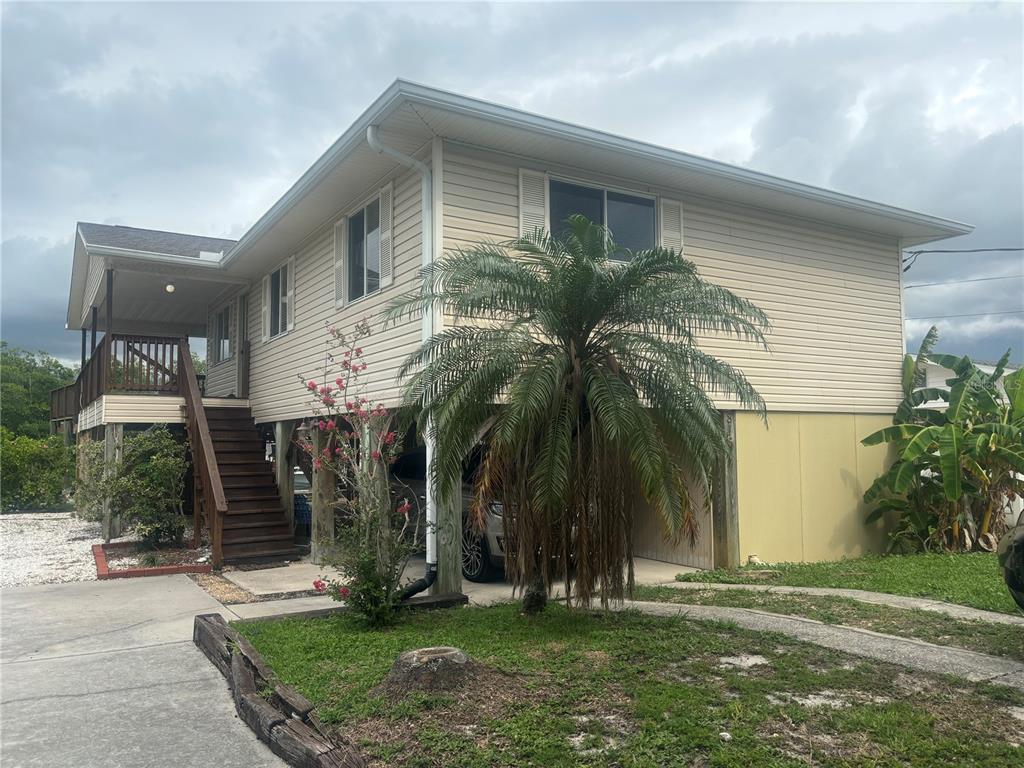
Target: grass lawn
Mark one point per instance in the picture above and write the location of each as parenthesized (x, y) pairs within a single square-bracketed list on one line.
[(572, 688), (981, 636), (968, 579)]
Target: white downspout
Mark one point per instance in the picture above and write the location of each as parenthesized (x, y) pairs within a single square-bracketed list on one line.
[(427, 258)]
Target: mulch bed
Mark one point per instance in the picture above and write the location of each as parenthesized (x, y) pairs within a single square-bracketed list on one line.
[(121, 560)]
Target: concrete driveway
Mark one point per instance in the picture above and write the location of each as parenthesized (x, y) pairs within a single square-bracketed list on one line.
[(105, 674)]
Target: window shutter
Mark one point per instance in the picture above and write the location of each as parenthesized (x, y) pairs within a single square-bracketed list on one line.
[(533, 202), (387, 267), (291, 293), (672, 225), (265, 307), (340, 252)]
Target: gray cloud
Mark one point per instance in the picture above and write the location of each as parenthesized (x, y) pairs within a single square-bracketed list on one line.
[(196, 117)]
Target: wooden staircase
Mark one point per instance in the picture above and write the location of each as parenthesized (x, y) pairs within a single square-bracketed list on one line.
[(255, 525), (235, 492)]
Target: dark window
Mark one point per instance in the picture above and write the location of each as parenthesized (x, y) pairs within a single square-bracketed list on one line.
[(364, 251), (278, 300), (356, 256), (630, 218), (222, 335), (275, 301), (631, 221), (569, 199)]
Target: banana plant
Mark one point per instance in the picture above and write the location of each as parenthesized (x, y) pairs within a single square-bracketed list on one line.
[(972, 450)]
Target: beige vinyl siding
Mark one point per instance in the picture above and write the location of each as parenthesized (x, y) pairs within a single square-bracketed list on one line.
[(222, 377), (275, 390), (144, 409), (833, 296), (93, 280)]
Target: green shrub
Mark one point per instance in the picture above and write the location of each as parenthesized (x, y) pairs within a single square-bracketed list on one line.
[(33, 471), (145, 489)]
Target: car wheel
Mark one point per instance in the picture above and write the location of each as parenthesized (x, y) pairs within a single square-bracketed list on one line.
[(1011, 559), (476, 557)]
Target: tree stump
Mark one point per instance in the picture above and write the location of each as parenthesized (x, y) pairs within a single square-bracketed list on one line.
[(429, 669)]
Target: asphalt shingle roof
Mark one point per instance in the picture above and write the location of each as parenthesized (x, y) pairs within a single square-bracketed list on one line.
[(151, 240)]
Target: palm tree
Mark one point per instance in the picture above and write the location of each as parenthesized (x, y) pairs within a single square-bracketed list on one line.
[(591, 352)]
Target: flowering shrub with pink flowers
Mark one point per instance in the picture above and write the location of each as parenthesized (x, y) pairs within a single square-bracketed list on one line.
[(356, 441)]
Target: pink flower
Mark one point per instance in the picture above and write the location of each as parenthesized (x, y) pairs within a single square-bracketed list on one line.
[(349, 405), (317, 464), (390, 437), (328, 400), (311, 385), (359, 350), (319, 585), (322, 425), (404, 508), (340, 382), (344, 592), (338, 451), (375, 455), (330, 423)]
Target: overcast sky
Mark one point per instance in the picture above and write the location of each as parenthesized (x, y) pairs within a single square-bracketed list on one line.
[(197, 117)]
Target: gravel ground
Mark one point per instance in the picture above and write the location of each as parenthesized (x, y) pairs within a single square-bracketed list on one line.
[(46, 548)]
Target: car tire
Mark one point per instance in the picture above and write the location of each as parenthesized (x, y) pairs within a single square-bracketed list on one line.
[(476, 556)]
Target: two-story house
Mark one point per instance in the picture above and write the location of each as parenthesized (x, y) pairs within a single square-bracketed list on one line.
[(424, 170)]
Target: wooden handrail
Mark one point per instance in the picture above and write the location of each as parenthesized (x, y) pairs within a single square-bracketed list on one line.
[(203, 457)]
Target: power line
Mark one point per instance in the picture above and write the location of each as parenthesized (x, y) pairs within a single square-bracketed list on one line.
[(965, 280), (911, 257), (964, 250), (969, 314)]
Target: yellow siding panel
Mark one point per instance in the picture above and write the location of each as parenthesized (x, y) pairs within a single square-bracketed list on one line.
[(768, 487), (800, 484)]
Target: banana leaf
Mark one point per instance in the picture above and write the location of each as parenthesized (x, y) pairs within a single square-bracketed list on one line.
[(950, 441), (893, 433)]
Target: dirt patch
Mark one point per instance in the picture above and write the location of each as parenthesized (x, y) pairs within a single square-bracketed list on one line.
[(743, 661), (809, 742), (222, 590), (123, 559), (487, 694)]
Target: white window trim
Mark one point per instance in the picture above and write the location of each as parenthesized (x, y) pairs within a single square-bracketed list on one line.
[(605, 189), (233, 317), (289, 300), (343, 224)]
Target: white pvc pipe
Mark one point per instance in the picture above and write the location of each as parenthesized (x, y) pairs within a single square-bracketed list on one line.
[(426, 259)]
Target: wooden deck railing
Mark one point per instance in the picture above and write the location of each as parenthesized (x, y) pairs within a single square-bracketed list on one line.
[(122, 362), (210, 500)]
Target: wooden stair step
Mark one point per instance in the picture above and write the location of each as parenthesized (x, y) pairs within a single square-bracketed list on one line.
[(261, 549), (255, 506), (261, 480), (242, 522), (253, 536), (253, 519)]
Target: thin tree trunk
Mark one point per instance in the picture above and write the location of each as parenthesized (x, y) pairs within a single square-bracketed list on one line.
[(535, 597)]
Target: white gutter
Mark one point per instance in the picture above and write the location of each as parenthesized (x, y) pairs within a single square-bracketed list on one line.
[(427, 330)]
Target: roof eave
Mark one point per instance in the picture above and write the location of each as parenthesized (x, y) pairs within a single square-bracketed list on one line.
[(937, 228)]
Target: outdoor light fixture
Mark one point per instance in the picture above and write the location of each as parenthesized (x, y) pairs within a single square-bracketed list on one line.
[(169, 287)]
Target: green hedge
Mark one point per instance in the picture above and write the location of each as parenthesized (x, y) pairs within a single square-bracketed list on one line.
[(33, 471)]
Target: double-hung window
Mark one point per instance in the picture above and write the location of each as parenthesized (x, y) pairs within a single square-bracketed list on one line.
[(221, 348), (629, 218), (362, 249), (279, 300)]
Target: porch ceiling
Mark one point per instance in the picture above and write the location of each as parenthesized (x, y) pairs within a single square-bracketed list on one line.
[(142, 304)]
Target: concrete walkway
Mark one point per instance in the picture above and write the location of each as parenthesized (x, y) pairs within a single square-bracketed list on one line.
[(297, 578), (104, 674), (906, 652), (863, 596)]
